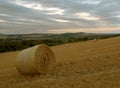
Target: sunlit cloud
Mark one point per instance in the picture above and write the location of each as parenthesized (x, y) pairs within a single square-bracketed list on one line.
[(118, 16), (28, 20), (94, 2), (88, 30), (60, 20), (19, 23), (44, 15), (2, 21), (37, 6), (4, 15), (86, 16), (55, 11)]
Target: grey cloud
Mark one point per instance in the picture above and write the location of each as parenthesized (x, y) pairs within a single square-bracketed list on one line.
[(40, 21)]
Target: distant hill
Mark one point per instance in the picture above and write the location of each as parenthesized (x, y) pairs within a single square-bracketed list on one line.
[(63, 36), (2, 34), (13, 42)]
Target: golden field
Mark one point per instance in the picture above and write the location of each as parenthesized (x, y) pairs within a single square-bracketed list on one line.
[(89, 64)]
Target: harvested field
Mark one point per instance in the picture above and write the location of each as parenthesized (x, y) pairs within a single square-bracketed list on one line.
[(86, 64)]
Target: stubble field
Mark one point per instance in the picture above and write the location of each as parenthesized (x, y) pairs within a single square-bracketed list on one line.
[(89, 64)]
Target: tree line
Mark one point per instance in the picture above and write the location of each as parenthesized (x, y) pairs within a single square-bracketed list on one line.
[(16, 44), (22, 44)]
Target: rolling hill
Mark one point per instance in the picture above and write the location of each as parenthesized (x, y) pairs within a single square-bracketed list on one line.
[(88, 64), (63, 36)]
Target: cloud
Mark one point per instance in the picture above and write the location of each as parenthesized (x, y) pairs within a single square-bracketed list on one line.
[(86, 16), (2, 21), (60, 20), (94, 2), (88, 30), (6, 15), (37, 6), (18, 23), (27, 20), (117, 16), (27, 16)]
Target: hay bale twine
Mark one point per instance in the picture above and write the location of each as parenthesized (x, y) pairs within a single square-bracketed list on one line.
[(39, 59)]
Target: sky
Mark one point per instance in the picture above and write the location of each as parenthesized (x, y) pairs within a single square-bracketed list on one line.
[(59, 16)]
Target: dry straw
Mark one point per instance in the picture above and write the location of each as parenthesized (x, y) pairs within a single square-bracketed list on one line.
[(36, 60), (66, 45), (94, 40)]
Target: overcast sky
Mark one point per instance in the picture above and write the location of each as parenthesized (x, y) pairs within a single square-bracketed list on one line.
[(59, 16)]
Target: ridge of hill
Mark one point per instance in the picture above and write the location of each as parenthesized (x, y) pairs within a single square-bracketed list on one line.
[(37, 36)]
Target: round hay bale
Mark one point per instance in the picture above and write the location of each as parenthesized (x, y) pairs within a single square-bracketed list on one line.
[(39, 59)]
